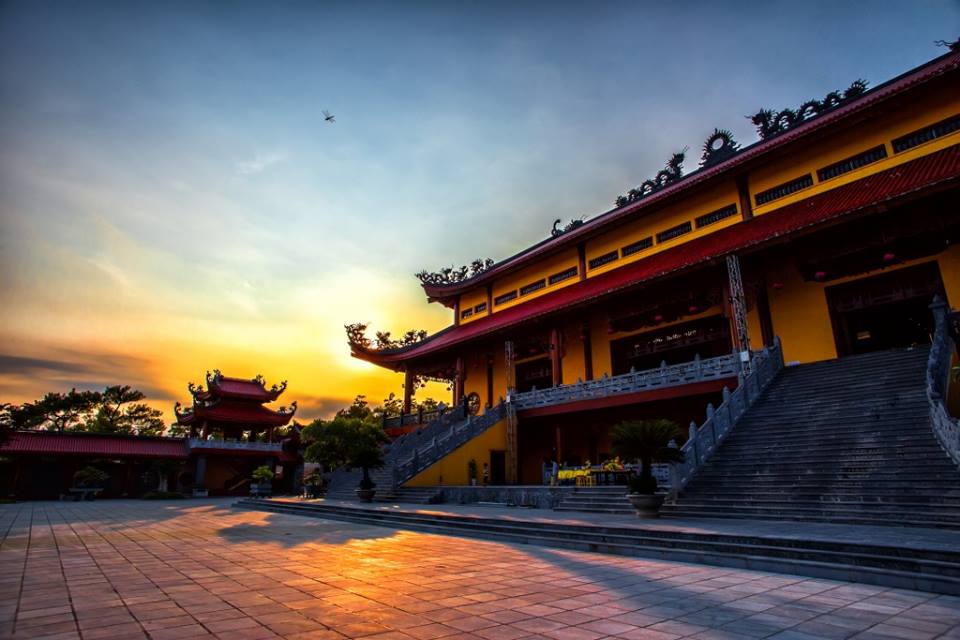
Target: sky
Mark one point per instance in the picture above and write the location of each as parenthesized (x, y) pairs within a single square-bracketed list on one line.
[(172, 201)]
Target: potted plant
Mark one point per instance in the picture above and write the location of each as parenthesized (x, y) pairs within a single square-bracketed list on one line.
[(647, 441), (262, 485), (472, 472), (315, 484), (347, 442), (88, 482)]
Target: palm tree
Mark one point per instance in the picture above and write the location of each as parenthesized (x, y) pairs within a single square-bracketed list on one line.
[(647, 441)]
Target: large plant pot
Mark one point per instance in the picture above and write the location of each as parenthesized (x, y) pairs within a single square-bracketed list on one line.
[(647, 504), (366, 495)]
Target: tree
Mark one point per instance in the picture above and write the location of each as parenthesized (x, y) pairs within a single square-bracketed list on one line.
[(359, 409), (120, 411), (647, 441), (392, 406), (346, 442), (6, 421), (56, 411)]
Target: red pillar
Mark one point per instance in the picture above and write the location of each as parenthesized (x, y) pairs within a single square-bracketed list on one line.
[(587, 351), (555, 364), (458, 381), (407, 391)]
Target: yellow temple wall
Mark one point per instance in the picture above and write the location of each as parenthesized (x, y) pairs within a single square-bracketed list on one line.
[(471, 299), (802, 319), (573, 363), (650, 224), (928, 109), (451, 470), (543, 269)]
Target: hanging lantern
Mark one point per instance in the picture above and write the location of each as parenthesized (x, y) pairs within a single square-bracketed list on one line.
[(889, 256), (777, 286), (820, 276), (693, 308), (658, 318)]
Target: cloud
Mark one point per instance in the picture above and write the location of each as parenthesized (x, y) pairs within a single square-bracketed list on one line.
[(259, 163)]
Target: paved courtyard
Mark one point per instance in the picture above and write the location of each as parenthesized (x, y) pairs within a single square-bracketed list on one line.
[(133, 569)]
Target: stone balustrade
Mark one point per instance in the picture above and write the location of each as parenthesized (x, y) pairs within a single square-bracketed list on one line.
[(697, 370), (945, 427), (267, 447), (704, 440)]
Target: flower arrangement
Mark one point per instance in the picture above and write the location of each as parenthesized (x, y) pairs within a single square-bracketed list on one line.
[(572, 474), (613, 465)]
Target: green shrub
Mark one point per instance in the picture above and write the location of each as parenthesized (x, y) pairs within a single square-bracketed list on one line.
[(263, 473), (90, 477)]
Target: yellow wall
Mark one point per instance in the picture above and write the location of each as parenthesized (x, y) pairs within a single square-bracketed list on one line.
[(543, 269), (452, 469), (874, 131), (802, 319), (471, 299), (652, 223)]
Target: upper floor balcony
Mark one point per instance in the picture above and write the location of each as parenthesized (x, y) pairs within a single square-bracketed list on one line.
[(697, 376)]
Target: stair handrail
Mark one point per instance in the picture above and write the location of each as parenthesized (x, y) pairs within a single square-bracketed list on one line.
[(945, 427), (438, 447), (702, 441)]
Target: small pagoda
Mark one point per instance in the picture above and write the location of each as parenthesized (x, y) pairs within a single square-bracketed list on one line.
[(228, 407)]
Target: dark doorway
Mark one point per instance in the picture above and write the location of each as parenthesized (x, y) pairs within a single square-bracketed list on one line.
[(498, 467), (534, 373), (709, 337), (886, 311)]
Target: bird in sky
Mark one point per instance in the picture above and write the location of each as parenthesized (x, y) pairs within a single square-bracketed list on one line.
[(328, 116)]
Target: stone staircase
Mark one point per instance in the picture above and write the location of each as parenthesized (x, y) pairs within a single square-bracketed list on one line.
[(845, 441), (597, 500), (410, 454)]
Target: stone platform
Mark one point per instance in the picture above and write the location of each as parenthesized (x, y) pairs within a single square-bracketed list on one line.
[(912, 558)]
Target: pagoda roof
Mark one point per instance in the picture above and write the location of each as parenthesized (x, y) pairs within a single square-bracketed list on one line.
[(750, 156), (937, 171), (234, 412), (221, 386)]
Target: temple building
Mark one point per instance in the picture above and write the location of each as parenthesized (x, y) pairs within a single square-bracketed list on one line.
[(830, 236), (231, 433)]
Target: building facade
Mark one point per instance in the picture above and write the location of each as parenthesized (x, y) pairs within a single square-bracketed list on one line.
[(833, 232)]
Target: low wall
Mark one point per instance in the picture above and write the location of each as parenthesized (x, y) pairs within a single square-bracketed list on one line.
[(537, 496)]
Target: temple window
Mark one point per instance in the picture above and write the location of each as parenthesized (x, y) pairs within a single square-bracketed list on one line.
[(918, 137), (563, 275), (480, 308), (606, 258), (783, 190), (506, 297), (674, 232), (716, 216), (853, 162), (533, 286), (637, 247)]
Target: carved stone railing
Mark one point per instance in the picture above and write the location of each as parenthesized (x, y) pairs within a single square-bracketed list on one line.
[(703, 441), (664, 376), (945, 427), (421, 417), (441, 442), (270, 447)]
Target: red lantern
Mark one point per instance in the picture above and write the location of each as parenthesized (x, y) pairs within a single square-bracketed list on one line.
[(693, 308), (658, 318), (777, 286), (889, 257), (820, 276)]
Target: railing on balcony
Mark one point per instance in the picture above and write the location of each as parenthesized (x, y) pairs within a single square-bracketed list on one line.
[(945, 337), (197, 443), (704, 440), (697, 370), (421, 417)]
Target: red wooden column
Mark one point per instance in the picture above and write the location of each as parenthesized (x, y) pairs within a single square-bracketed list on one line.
[(407, 391), (559, 445), (458, 381), (555, 362)]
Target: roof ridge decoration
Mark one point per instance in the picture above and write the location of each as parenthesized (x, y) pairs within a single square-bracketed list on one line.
[(666, 176), (557, 230), (451, 275), (357, 337), (770, 123), (718, 147)]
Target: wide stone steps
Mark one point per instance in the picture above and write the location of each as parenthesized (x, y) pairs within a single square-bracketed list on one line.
[(885, 565), (846, 440), (597, 500)]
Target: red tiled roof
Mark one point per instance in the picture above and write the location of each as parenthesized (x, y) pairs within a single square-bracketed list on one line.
[(882, 187), (935, 68), (82, 444), (233, 411)]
